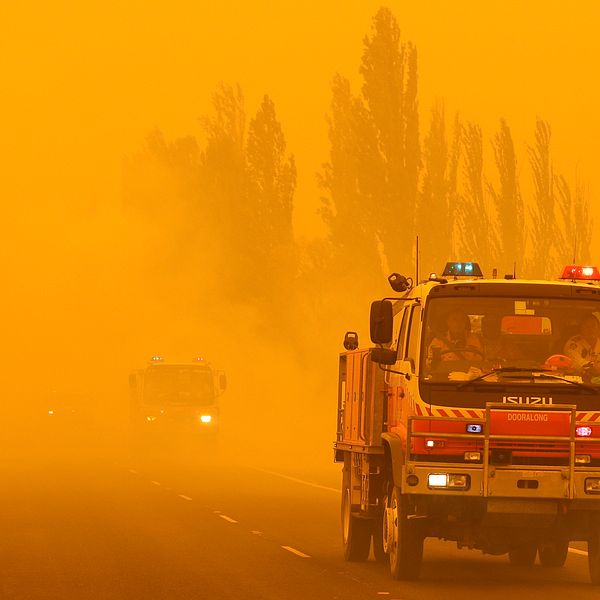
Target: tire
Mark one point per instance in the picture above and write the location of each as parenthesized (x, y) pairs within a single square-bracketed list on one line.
[(594, 555), (403, 539), (523, 555), (378, 546), (356, 532), (553, 554)]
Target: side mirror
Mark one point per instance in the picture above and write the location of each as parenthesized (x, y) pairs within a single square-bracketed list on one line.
[(382, 322), (222, 382), (351, 340), (132, 381), (384, 356)]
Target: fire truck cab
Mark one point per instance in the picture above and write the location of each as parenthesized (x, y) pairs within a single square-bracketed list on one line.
[(475, 419)]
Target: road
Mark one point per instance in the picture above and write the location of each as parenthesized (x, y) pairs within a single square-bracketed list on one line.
[(167, 527)]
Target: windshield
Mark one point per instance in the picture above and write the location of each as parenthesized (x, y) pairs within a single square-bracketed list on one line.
[(178, 385), (483, 338)]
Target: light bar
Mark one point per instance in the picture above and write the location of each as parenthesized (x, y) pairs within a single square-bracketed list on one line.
[(462, 269), (157, 359), (580, 272)]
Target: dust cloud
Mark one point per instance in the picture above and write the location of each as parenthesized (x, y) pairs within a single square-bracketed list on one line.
[(151, 209)]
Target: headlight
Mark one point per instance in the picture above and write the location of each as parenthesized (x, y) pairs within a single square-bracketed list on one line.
[(150, 418), (448, 481), (592, 485), (205, 418)]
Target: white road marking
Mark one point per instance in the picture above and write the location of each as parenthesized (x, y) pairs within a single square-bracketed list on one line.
[(228, 519), (133, 471), (156, 482), (217, 512), (256, 532), (184, 497), (296, 552), (383, 593), (576, 551), (296, 480)]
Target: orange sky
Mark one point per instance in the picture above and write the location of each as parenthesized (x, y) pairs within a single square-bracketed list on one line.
[(83, 82)]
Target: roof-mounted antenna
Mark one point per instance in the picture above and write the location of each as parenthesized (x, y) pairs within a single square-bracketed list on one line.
[(515, 269), (417, 262)]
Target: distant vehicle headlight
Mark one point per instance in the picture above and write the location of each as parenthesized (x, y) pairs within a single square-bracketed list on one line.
[(150, 418), (206, 418)]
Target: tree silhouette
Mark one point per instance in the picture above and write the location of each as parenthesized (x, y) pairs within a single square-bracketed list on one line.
[(476, 234), (544, 228), (574, 241), (352, 179), (507, 200), (389, 71), (435, 234), (271, 186)]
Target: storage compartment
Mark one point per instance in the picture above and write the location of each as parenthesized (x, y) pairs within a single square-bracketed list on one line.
[(361, 399)]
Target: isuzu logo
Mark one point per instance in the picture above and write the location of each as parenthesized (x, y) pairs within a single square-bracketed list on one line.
[(527, 399)]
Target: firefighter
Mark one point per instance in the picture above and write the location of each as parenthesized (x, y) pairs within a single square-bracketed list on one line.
[(458, 342), (584, 347)]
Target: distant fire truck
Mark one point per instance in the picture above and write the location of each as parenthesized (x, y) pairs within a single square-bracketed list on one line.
[(176, 398), (476, 419)]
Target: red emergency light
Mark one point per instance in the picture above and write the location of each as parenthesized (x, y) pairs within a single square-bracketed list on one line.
[(585, 273)]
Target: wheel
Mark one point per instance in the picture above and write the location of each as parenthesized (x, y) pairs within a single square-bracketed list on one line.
[(594, 555), (402, 538), (553, 554), (356, 532), (523, 555)]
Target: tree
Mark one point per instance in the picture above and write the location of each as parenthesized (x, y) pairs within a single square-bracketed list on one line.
[(507, 200), (576, 223), (389, 71), (271, 187), (435, 233), (351, 179), (544, 228), (223, 179), (476, 239)]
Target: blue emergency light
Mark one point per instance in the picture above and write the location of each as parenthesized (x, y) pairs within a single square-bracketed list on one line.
[(462, 269)]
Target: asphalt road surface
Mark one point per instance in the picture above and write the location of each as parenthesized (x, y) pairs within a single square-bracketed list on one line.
[(92, 526)]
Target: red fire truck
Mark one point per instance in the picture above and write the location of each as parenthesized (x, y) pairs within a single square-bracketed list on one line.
[(475, 419)]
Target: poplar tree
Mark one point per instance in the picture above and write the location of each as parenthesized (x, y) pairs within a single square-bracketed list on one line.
[(544, 229), (476, 239), (271, 186), (508, 201), (351, 179), (389, 70), (434, 223)]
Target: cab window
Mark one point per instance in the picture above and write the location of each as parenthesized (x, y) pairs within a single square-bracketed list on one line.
[(413, 335)]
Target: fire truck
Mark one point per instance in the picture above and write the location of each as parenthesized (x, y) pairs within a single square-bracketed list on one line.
[(173, 398), (475, 418)]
